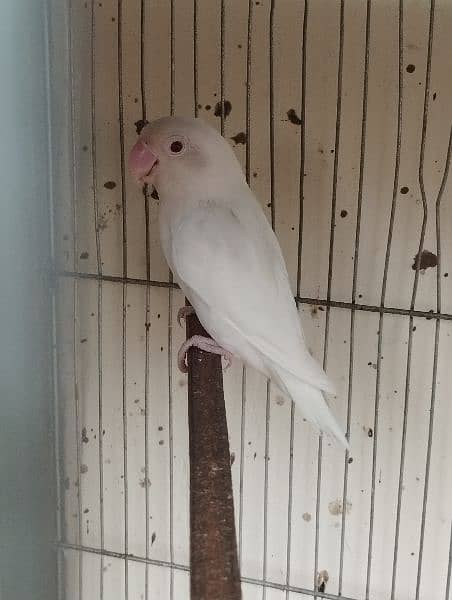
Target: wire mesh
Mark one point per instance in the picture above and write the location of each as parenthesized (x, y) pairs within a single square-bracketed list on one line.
[(367, 117)]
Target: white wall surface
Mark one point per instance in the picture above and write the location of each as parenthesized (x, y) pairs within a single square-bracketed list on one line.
[(122, 401)]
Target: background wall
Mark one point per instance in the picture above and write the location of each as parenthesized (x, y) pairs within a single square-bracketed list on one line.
[(27, 474)]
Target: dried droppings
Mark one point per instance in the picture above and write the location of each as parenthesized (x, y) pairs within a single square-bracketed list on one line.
[(240, 138), (427, 260), (140, 124), (227, 107), (293, 117)]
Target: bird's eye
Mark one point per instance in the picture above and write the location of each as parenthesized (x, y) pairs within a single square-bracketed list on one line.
[(176, 146)]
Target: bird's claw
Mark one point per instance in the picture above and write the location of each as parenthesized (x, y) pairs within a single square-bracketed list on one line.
[(203, 343), (184, 312)]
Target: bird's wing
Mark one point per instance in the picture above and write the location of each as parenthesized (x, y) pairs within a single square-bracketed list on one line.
[(236, 267)]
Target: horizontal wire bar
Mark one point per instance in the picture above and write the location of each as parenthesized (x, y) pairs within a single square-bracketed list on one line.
[(186, 568), (427, 314)]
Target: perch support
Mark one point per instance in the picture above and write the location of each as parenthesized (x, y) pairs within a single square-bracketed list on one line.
[(213, 548)]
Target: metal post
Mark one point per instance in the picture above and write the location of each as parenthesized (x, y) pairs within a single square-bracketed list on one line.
[(213, 548)]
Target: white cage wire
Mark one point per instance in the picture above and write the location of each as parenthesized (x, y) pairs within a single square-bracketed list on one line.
[(340, 112)]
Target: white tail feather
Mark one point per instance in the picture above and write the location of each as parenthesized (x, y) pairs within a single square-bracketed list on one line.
[(313, 406)]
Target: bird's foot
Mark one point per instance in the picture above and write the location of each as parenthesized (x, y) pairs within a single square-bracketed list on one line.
[(203, 343), (185, 312)]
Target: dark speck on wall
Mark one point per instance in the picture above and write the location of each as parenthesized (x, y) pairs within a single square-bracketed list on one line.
[(254, 174), (293, 117), (84, 255), (344, 213), (85, 148), (427, 260), (110, 185), (410, 68), (240, 138), (227, 107), (370, 433), (153, 536), (207, 107), (140, 124), (404, 190), (434, 96), (154, 194), (446, 274)]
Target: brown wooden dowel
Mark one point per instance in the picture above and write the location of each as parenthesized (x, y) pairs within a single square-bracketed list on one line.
[(213, 547)]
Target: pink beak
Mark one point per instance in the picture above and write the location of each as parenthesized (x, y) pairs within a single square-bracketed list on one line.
[(141, 161)]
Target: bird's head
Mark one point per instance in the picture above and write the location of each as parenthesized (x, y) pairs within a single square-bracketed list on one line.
[(176, 154)]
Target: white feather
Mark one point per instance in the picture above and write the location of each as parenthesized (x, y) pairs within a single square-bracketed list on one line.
[(227, 260)]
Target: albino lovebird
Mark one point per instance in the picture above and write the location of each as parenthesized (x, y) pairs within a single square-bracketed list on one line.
[(227, 260)]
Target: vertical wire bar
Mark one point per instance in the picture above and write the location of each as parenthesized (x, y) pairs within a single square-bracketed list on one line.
[(356, 265), (242, 457), (393, 212), (335, 175), (330, 276), (302, 143), (74, 297), (170, 338), (222, 82), (331, 257), (272, 209), (74, 301), (290, 500), (99, 294), (124, 303), (52, 222), (77, 434), (147, 304), (195, 56), (266, 452), (290, 486), (390, 236), (317, 514), (272, 111), (422, 152), (55, 433), (435, 363), (413, 300), (247, 174), (449, 568)]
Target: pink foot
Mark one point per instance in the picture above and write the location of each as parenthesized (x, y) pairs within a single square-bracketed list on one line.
[(204, 343), (185, 312)]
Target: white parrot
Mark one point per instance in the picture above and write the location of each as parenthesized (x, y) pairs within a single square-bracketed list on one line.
[(227, 260)]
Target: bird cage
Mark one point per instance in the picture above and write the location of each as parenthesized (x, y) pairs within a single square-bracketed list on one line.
[(340, 113)]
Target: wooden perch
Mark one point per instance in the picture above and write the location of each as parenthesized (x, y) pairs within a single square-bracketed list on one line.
[(213, 547)]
